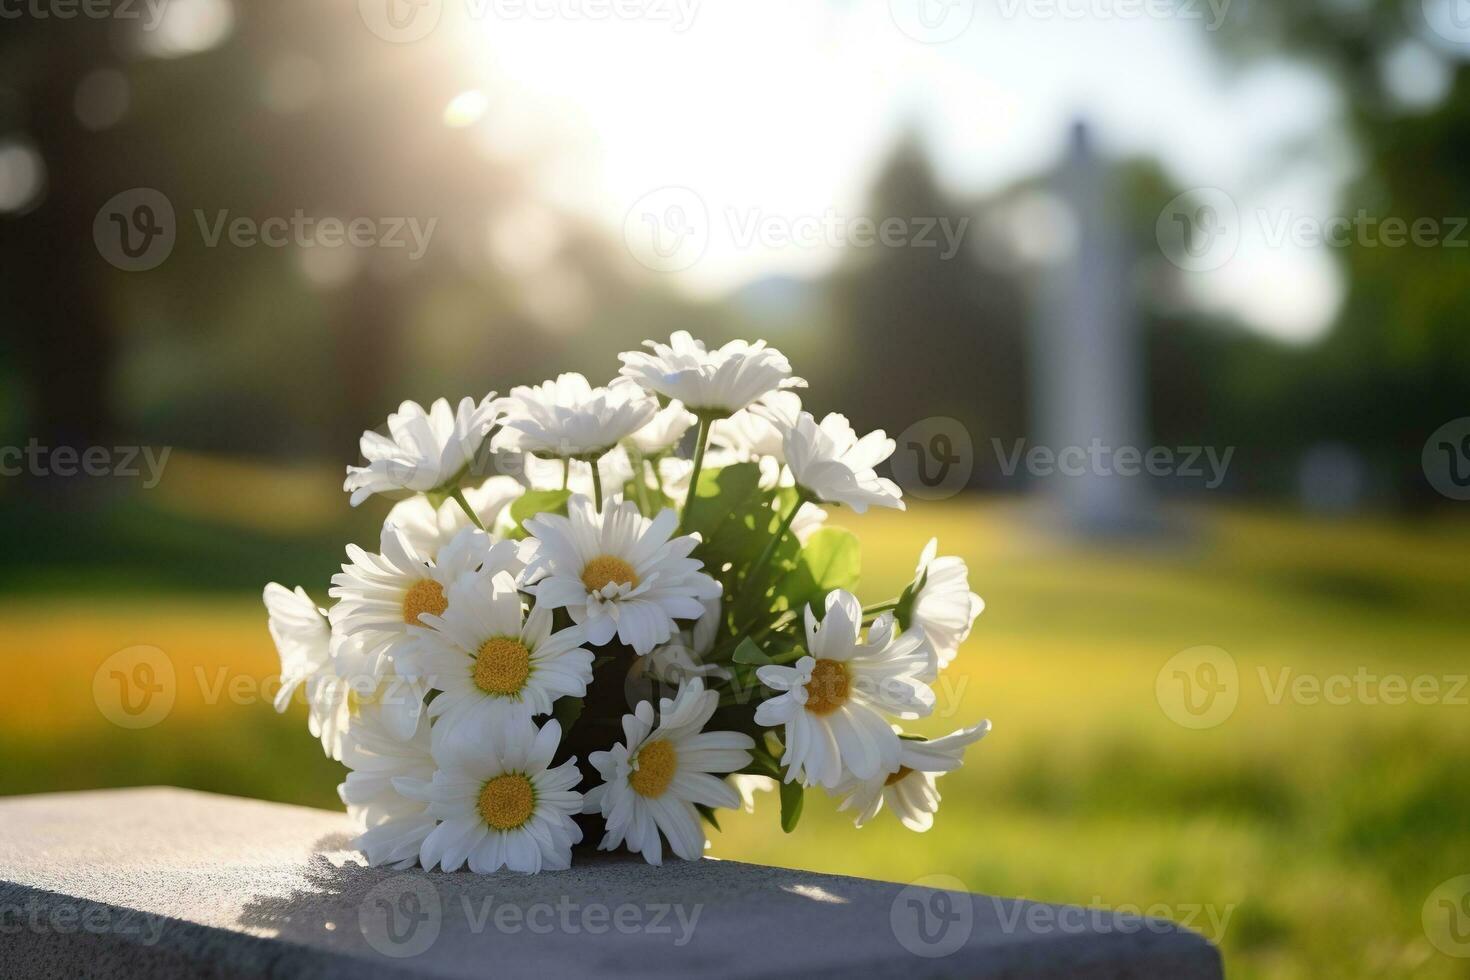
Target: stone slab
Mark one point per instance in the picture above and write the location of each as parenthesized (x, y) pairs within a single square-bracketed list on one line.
[(166, 883)]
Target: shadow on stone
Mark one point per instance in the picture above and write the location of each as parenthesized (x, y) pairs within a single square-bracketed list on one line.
[(231, 888)]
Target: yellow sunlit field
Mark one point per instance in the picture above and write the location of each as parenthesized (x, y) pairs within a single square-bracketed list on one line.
[(1304, 831)]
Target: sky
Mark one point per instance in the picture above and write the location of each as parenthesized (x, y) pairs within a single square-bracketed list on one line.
[(756, 126), (727, 141)]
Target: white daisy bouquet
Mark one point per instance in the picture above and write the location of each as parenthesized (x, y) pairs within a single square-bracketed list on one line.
[(607, 636)]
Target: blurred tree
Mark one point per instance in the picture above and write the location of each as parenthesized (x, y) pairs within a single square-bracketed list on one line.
[(1397, 364), (921, 332), (52, 301), (291, 110)]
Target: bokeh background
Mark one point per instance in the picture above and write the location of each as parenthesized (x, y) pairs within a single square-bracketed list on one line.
[(1230, 230)]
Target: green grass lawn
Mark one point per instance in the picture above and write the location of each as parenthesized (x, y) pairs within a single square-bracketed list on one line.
[(1304, 837)]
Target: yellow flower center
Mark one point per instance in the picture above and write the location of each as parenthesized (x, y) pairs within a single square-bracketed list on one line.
[(424, 596), (896, 776), (608, 568), (827, 690), (502, 665), (656, 764), (507, 801)]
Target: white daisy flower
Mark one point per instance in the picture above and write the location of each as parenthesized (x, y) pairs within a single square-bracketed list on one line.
[(674, 472), (329, 698), (428, 529), (568, 417), (500, 803), (809, 519), (302, 636), (313, 659), (714, 383), (614, 468), (674, 663), (663, 431), (759, 433), (910, 791), (358, 680), (747, 784), (685, 656), (423, 450), (706, 628), (617, 573), (940, 604), (831, 463), (655, 776), (834, 700), (488, 659), (382, 766), (380, 596)]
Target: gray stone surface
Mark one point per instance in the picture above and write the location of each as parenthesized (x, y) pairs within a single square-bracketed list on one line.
[(164, 883)]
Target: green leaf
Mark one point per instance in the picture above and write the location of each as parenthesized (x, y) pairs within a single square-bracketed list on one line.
[(657, 499), (762, 763), (742, 542), (791, 800), (749, 653), (731, 483), (566, 711), (534, 502), (723, 494), (904, 611), (831, 559), (708, 814), (445, 490)]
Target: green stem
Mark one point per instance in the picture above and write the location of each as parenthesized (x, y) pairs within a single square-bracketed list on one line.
[(640, 482), (596, 484), (566, 473), (701, 441), (880, 607), (458, 496), (749, 630), (753, 576), (758, 635)]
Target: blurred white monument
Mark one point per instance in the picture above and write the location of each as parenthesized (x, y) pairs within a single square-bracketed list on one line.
[(1086, 357)]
